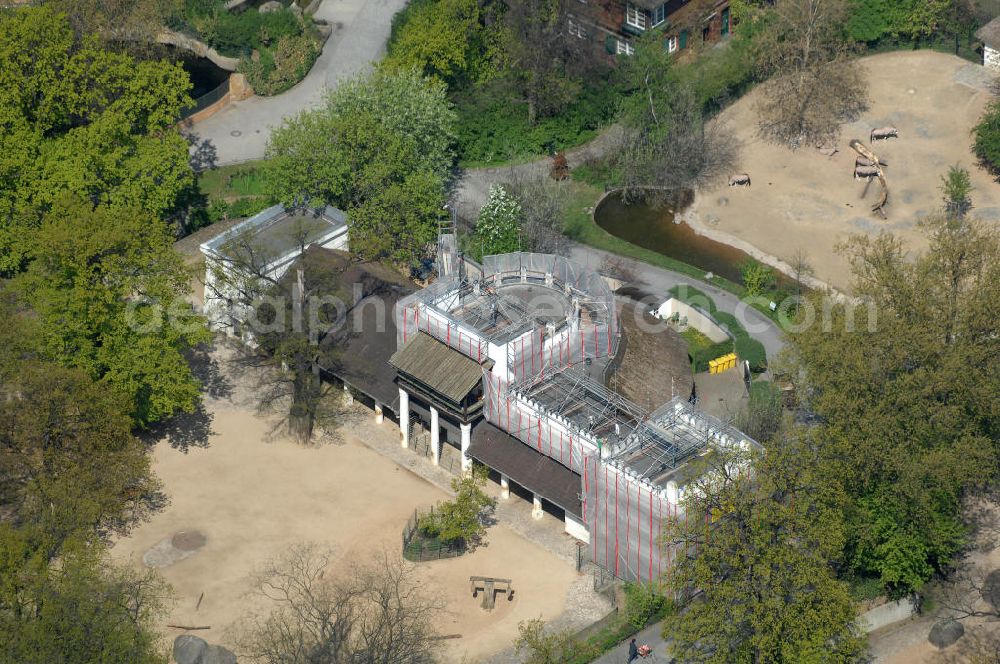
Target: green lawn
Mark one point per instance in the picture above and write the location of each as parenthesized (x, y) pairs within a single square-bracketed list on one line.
[(232, 182)]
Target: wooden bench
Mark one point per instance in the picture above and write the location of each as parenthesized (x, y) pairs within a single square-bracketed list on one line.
[(490, 587)]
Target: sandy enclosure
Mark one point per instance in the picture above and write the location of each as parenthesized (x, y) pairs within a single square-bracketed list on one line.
[(251, 498), (803, 200)]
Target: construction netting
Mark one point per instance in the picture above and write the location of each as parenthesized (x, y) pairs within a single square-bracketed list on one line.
[(426, 311), (534, 425), (626, 517)]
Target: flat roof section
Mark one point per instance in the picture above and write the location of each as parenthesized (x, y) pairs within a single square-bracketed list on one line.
[(277, 232)]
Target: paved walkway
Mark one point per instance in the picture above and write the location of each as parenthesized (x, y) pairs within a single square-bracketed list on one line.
[(360, 31), (651, 636), (659, 281)]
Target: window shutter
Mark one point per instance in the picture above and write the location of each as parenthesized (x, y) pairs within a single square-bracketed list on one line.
[(684, 38), (611, 44)]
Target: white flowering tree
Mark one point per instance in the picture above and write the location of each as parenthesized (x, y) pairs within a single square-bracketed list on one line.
[(499, 225)]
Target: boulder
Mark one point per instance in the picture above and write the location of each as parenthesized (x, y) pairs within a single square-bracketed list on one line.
[(218, 655), (189, 649), (943, 634), (991, 589), (270, 6)]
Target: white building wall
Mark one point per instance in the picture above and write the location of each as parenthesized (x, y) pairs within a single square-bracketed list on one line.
[(695, 319), (991, 58)]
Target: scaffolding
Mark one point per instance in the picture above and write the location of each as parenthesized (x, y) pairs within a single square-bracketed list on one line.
[(530, 312)]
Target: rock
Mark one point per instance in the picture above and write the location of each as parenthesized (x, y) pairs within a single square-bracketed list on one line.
[(218, 655), (943, 634), (271, 6), (991, 589), (189, 649)]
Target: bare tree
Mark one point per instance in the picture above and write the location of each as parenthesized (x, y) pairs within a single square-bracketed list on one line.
[(815, 83), (802, 269), (296, 322), (374, 613), (544, 203), (680, 152)]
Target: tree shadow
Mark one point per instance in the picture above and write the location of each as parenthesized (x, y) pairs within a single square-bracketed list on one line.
[(184, 430), (202, 153), (209, 373)]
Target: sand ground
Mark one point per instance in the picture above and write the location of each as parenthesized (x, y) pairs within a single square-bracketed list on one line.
[(803, 200), (253, 496)]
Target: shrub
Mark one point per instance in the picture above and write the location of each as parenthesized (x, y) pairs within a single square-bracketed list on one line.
[(460, 519), (247, 207), (702, 356), (498, 227), (986, 145), (751, 350), (757, 277), (642, 603), (279, 69)]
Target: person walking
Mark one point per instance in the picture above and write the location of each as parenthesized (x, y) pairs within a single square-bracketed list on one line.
[(633, 651)]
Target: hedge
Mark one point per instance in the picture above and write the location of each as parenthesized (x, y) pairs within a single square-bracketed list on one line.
[(700, 358), (751, 350), (746, 347)]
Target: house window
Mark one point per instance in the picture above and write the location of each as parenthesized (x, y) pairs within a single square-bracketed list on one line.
[(635, 17), (576, 29), (659, 15), (625, 48), (671, 44), (725, 22)]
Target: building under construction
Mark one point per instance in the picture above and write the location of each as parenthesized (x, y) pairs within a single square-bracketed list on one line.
[(504, 361)]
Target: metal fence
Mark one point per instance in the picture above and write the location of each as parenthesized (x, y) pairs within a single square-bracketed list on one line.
[(418, 548), (207, 99)]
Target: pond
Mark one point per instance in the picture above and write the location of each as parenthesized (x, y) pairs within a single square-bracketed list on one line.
[(653, 228)]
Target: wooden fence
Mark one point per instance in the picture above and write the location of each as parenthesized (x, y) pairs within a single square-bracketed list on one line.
[(418, 548)]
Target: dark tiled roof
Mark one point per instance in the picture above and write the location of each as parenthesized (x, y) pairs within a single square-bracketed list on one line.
[(362, 346), (527, 467), (438, 366), (989, 34)]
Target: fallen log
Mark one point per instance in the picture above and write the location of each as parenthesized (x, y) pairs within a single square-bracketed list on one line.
[(190, 627), (864, 151)]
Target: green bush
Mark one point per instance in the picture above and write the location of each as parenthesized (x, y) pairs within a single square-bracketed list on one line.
[(751, 350), (491, 129), (235, 33), (642, 603), (986, 143), (220, 209), (278, 69), (702, 356)]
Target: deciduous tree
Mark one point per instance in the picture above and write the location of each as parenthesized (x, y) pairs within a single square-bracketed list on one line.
[(907, 400), (755, 554), (380, 148), (110, 295), (498, 229), (814, 83), (375, 612)]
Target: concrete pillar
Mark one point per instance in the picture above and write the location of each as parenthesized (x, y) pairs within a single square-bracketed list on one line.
[(536, 506), (504, 487), (435, 437), (348, 397), (379, 416), (404, 417), (466, 442)]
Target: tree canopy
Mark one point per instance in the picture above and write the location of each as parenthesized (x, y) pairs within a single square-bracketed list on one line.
[(109, 293), (907, 402), (76, 118), (380, 148), (757, 545)]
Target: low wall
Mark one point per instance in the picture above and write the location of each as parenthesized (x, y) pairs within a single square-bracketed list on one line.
[(887, 614), (238, 90), (199, 48), (695, 319)]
